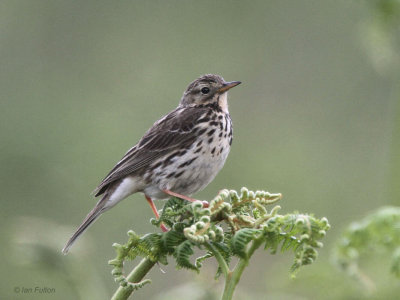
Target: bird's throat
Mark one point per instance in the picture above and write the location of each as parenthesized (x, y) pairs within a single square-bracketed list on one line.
[(223, 102)]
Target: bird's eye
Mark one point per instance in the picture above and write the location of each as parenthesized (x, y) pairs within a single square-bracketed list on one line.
[(205, 90)]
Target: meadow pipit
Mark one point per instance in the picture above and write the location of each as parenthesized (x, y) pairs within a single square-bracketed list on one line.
[(178, 156)]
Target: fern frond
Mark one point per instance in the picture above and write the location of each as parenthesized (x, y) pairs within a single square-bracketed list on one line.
[(171, 239), (233, 224), (377, 232), (182, 255), (148, 246), (241, 239), (200, 259)]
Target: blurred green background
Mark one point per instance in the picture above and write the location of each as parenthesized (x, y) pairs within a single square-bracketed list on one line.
[(317, 119)]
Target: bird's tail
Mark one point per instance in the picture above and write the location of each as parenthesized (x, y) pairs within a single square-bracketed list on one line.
[(90, 218)]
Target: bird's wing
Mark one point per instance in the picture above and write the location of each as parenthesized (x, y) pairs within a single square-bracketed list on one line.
[(175, 130)]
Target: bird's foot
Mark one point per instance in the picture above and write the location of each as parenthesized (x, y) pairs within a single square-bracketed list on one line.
[(164, 228), (205, 203), (155, 211)]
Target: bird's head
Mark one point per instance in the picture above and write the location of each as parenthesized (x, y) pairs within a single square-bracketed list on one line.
[(208, 89)]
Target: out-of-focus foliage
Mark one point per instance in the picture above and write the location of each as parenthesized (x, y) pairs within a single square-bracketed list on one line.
[(35, 245), (317, 117), (381, 34), (377, 234)]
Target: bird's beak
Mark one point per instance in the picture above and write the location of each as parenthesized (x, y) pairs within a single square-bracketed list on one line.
[(228, 85)]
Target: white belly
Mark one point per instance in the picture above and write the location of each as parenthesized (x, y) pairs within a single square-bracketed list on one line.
[(209, 158)]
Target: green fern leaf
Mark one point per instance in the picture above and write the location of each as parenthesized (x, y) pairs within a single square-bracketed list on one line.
[(171, 239), (149, 245), (241, 239), (182, 255)]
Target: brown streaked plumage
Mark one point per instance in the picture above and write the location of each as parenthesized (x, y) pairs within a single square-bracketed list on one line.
[(178, 156)]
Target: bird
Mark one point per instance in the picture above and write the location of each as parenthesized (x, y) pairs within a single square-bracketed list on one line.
[(178, 156)]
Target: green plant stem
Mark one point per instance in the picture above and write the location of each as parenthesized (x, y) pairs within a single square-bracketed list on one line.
[(135, 276), (221, 261), (233, 277)]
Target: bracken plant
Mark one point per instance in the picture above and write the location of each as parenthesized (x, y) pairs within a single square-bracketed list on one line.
[(231, 225)]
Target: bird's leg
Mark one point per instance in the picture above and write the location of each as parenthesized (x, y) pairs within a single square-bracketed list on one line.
[(154, 209), (205, 203)]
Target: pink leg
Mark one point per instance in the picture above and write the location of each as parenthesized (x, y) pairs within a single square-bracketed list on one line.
[(154, 209), (205, 203)]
